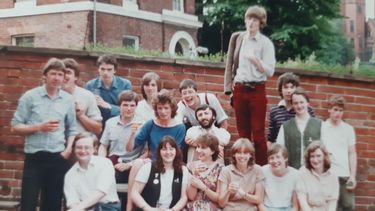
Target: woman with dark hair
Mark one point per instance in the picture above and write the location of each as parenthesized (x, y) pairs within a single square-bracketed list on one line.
[(162, 185), (317, 188), (150, 87), (202, 189), (240, 184)]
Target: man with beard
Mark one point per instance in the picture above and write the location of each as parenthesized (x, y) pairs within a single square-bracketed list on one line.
[(206, 117)]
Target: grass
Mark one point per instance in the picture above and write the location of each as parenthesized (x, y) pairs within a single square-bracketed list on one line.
[(310, 64)]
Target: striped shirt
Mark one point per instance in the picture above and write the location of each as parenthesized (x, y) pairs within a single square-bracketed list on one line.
[(277, 116)]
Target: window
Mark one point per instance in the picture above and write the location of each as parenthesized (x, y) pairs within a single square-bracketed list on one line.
[(23, 40), (178, 5), (351, 25), (130, 42), (359, 9)]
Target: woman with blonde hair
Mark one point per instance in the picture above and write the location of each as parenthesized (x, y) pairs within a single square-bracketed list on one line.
[(317, 188), (240, 184)]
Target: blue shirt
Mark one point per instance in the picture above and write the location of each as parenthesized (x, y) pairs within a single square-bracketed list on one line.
[(36, 107), (109, 95), (152, 133)]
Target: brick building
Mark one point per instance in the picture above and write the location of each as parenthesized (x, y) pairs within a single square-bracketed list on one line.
[(162, 25)]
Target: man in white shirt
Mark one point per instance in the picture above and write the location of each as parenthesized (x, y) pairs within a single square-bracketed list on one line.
[(206, 117), (88, 114), (90, 183), (339, 139), (191, 99)]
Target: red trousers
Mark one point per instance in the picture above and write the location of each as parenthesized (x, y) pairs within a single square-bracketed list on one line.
[(250, 106)]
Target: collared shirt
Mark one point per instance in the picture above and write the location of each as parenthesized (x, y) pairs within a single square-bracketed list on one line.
[(247, 182), (338, 139), (144, 112), (318, 189), (88, 104), (116, 134), (79, 184), (278, 115), (109, 95), (262, 48), (36, 107), (194, 132), (204, 98)]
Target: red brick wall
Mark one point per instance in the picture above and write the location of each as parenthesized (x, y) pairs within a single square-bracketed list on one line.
[(190, 7), (150, 33), (155, 5), (4, 4), (20, 71), (63, 30)]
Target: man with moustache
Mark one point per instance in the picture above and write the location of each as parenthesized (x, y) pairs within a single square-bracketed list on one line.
[(206, 117), (89, 119)]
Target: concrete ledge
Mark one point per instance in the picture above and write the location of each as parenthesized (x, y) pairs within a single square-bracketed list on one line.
[(122, 188), (9, 205)]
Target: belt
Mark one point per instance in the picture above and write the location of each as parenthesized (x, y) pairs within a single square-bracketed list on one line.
[(252, 84)]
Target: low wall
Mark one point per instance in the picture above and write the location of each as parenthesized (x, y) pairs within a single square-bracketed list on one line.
[(20, 70)]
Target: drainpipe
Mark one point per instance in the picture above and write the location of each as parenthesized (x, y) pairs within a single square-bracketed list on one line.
[(94, 24)]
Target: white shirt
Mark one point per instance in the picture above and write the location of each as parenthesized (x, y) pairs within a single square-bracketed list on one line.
[(143, 112), (338, 139), (80, 183), (166, 179), (190, 113), (194, 132), (262, 48), (279, 190), (87, 101)]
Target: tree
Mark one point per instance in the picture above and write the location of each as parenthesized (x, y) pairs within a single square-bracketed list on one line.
[(297, 27)]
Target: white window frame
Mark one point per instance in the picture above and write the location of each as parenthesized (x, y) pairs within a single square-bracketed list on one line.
[(135, 38), (14, 38), (181, 4)]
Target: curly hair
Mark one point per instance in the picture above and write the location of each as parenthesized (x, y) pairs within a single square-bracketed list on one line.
[(162, 98), (177, 162), (287, 78)]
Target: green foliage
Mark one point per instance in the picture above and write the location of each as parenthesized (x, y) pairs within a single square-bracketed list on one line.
[(297, 27), (310, 63)]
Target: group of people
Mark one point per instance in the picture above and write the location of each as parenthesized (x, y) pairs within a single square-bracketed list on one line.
[(171, 154)]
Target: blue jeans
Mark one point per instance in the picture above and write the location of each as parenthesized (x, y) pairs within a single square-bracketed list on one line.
[(346, 199), (112, 206), (43, 173)]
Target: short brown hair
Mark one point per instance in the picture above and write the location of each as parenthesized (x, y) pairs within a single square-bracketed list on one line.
[(165, 97), (72, 64), (276, 148), (243, 143), (146, 79), (127, 96), (107, 59), (301, 91), (287, 78), (211, 141), (53, 63), (311, 148), (257, 12), (188, 83), (337, 100)]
